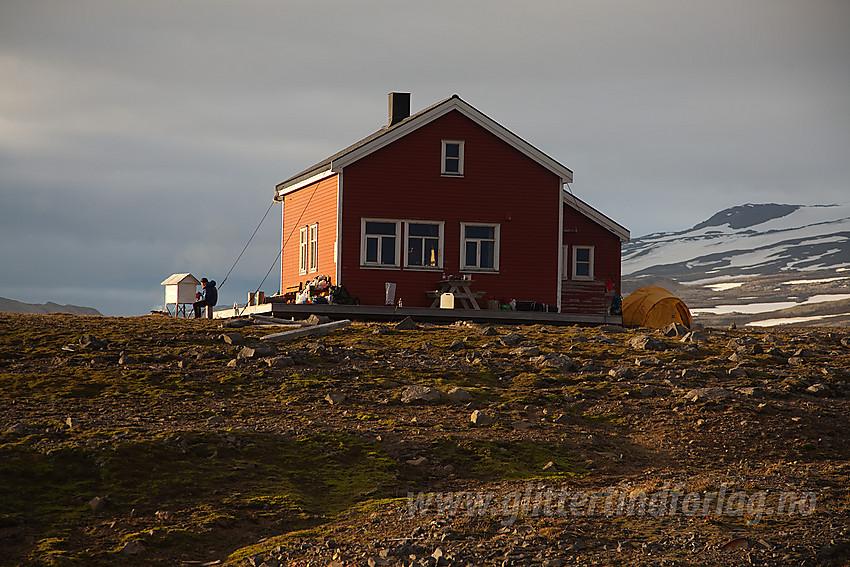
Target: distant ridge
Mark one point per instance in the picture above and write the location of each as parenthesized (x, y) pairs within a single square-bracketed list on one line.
[(747, 240), (12, 306)]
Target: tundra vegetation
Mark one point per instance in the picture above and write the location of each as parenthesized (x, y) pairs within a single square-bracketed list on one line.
[(163, 441)]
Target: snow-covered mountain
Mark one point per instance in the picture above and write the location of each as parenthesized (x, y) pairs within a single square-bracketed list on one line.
[(766, 239)]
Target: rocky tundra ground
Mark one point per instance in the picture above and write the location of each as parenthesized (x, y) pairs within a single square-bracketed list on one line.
[(161, 441)]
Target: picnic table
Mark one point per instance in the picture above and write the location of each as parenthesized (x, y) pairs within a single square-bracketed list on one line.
[(460, 288)]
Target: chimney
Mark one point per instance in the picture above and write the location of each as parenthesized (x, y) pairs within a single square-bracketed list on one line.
[(399, 104)]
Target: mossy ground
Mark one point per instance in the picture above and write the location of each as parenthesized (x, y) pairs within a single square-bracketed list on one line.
[(198, 460)]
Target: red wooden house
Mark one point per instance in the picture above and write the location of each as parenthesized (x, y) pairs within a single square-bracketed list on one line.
[(448, 191)]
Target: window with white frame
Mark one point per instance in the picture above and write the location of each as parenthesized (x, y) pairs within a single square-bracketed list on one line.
[(379, 243), (313, 260), (582, 263), (424, 244), (303, 249), (308, 249), (452, 158), (479, 247)]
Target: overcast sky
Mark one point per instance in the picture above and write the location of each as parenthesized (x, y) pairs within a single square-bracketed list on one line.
[(140, 139)]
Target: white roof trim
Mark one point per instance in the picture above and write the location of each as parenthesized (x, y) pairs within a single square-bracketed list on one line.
[(455, 103), (185, 278), (596, 216), (309, 181)]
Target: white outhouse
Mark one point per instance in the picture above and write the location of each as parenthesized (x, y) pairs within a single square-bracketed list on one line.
[(180, 291)]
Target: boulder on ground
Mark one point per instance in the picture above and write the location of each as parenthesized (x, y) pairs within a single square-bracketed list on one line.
[(420, 394)]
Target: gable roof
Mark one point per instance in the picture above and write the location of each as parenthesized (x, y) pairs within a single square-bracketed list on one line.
[(175, 279), (389, 134)]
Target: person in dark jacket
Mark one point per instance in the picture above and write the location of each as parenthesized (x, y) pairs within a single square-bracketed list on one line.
[(208, 297)]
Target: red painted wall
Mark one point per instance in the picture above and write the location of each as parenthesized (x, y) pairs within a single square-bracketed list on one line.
[(500, 185), (582, 296)]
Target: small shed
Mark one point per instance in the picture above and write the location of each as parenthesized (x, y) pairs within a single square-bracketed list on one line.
[(180, 291)]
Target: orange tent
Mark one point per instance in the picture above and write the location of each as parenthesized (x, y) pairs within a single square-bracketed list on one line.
[(653, 306)]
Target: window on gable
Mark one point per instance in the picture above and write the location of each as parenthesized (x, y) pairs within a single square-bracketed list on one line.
[(379, 243), (452, 158), (479, 250), (308, 249), (582, 262), (424, 245)]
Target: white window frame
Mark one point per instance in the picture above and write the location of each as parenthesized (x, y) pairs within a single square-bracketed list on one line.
[(575, 263), (496, 246), (313, 262), (398, 240), (440, 246), (303, 249), (443, 158), (308, 249)]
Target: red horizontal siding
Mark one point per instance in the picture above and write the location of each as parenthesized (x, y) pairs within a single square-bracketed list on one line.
[(500, 185), (580, 296)]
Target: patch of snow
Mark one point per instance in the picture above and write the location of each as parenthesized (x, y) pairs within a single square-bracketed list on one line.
[(749, 309), (724, 286), (790, 320), (823, 280), (753, 308)]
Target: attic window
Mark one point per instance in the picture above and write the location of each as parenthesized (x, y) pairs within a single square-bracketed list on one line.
[(452, 158)]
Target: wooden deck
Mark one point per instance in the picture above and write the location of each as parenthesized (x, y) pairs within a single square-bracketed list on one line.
[(424, 314)]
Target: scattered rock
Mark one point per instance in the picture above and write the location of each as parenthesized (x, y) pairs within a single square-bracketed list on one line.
[(699, 395), (235, 323), (675, 330), (215, 420), (621, 373), (420, 394), (98, 504), (407, 324), (695, 337), (644, 361), (490, 332), (318, 319), (522, 425), (511, 339), (280, 361), (480, 418), (612, 329), (459, 395), (18, 429), (134, 547), (457, 344), (561, 362), (550, 467), (335, 398), (645, 342), (259, 350), (92, 343), (815, 390), (648, 391), (233, 338), (526, 351)]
